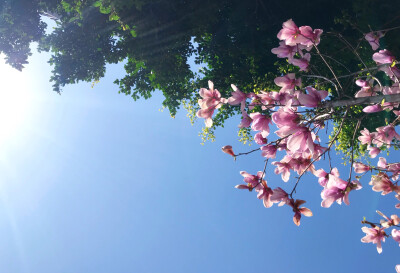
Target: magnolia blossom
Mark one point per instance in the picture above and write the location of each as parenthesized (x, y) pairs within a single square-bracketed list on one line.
[(259, 139), (280, 196), (211, 100), (260, 123), (228, 149), (313, 98), (373, 39), (398, 198), (284, 51), (269, 151), (374, 235), (246, 120), (302, 63), (366, 137), (253, 181), (287, 82), (366, 89), (313, 36), (265, 193), (360, 167), (383, 57), (290, 33), (238, 97), (299, 211), (388, 222), (396, 235), (373, 108), (381, 182), (338, 190)]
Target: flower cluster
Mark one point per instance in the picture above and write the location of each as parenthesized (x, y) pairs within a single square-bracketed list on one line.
[(298, 113)]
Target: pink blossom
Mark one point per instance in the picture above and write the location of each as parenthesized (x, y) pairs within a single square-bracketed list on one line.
[(252, 181), (280, 196), (373, 39), (238, 97), (398, 198), (246, 120), (374, 235), (285, 117), (396, 237), (290, 33), (283, 167), (360, 167), (302, 63), (313, 98), (385, 135), (301, 141), (366, 137), (373, 108), (338, 190), (284, 51), (268, 151), (260, 123), (313, 36), (259, 139), (393, 221), (373, 151), (383, 57), (287, 82), (211, 100), (397, 268), (265, 193), (299, 211), (381, 182), (366, 89), (228, 150), (324, 177)]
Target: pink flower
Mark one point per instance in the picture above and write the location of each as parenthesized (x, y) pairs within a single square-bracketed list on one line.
[(259, 139), (301, 141), (393, 221), (228, 150), (398, 198), (366, 137), (381, 182), (253, 181), (238, 97), (338, 190), (265, 193), (260, 123), (268, 151), (299, 211), (280, 196), (373, 39), (283, 167), (374, 235), (211, 100), (373, 108), (366, 89), (373, 151), (287, 82), (284, 51), (397, 268), (313, 98), (313, 36), (383, 57), (360, 167), (290, 33), (302, 63), (246, 120), (396, 236)]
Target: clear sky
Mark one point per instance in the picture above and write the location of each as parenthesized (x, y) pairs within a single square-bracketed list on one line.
[(92, 181)]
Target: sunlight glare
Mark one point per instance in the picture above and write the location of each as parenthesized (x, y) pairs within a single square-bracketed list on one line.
[(14, 101)]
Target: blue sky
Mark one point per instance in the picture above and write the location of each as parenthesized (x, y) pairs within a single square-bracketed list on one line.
[(92, 181)]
